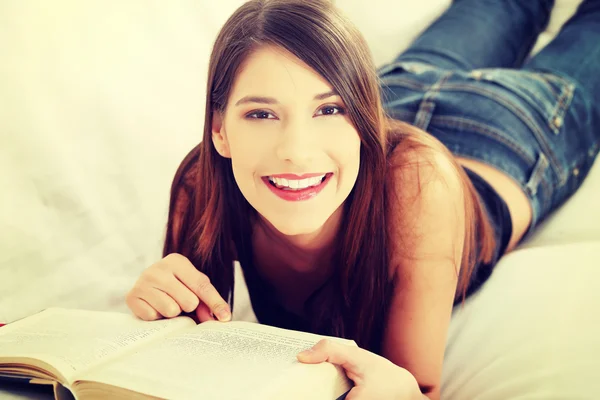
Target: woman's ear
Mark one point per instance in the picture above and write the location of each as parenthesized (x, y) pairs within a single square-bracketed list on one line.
[(219, 137)]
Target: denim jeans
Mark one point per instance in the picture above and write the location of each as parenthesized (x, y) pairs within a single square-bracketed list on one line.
[(468, 81)]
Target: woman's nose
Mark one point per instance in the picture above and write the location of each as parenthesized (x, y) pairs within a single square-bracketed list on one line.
[(297, 142)]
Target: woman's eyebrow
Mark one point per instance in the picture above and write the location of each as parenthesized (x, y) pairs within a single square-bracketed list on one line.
[(272, 100)]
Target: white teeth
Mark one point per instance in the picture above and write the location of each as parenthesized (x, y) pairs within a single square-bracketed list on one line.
[(296, 184)]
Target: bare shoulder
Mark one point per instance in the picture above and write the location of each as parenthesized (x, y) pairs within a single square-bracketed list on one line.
[(426, 198), (413, 168)]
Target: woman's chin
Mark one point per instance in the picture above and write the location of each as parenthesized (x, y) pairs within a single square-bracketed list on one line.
[(300, 226)]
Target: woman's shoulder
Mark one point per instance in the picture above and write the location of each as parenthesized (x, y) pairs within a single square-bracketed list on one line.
[(433, 205), (421, 181), (417, 159), (426, 200)]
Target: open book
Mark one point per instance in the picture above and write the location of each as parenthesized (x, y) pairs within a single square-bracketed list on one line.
[(96, 354)]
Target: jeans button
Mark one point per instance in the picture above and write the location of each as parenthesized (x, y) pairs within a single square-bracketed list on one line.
[(477, 74), (576, 171), (558, 121)]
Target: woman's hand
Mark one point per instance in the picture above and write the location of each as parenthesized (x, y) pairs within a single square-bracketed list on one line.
[(173, 285), (374, 377)]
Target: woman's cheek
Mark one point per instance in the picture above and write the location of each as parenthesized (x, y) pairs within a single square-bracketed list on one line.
[(345, 147), (248, 142)]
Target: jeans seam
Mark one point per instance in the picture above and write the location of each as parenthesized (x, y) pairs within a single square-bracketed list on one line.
[(545, 199), (536, 76), (537, 174), (424, 115), (564, 99), (427, 105), (523, 116), (483, 129)]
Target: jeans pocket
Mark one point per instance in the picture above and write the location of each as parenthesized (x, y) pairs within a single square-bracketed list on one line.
[(543, 100), (547, 94)]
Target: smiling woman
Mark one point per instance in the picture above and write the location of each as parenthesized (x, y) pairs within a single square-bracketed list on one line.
[(346, 221), (302, 178), (289, 141)]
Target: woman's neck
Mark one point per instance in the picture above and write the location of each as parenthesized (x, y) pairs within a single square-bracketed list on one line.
[(295, 265)]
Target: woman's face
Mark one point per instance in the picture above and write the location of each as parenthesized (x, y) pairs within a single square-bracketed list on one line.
[(294, 152)]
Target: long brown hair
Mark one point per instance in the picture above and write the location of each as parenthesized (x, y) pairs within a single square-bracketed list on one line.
[(214, 227)]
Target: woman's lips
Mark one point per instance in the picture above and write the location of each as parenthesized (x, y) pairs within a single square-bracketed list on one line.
[(297, 177), (297, 194)]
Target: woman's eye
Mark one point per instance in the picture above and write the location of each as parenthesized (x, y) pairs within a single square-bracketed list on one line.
[(259, 115), (327, 110), (331, 110)]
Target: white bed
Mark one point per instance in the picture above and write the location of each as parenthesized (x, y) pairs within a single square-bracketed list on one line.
[(100, 101)]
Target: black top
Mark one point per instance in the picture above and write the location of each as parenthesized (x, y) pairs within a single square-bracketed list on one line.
[(267, 309), (263, 295), (499, 214)]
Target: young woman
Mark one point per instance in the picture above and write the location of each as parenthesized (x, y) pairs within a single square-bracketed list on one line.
[(348, 221)]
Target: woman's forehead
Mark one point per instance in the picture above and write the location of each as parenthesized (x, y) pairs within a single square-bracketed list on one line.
[(271, 71)]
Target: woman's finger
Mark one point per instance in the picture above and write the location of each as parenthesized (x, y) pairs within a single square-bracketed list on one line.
[(185, 298), (350, 358), (161, 302), (142, 309), (201, 286), (357, 393), (203, 313)]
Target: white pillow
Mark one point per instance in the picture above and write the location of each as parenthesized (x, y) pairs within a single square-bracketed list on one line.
[(532, 331)]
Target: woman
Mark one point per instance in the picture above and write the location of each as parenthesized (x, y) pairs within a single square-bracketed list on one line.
[(348, 221)]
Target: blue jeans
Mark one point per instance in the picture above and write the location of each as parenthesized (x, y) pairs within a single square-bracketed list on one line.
[(467, 81)]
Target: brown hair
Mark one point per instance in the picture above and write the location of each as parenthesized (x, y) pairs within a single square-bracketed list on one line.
[(210, 222)]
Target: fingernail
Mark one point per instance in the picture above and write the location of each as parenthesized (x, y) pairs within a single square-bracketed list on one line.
[(224, 315)]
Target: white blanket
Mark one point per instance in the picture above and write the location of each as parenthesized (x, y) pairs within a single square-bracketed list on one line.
[(100, 101)]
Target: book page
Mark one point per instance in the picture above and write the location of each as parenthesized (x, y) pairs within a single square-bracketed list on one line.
[(214, 360), (74, 340)]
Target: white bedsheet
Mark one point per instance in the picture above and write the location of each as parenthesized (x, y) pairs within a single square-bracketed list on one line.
[(100, 101)]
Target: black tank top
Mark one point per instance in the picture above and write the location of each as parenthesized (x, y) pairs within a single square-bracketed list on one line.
[(269, 312), (499, 214)]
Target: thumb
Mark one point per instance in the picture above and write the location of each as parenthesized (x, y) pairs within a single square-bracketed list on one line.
[(348, 357)]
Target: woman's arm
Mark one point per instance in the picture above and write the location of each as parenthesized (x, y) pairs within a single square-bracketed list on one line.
[(427, 228)]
